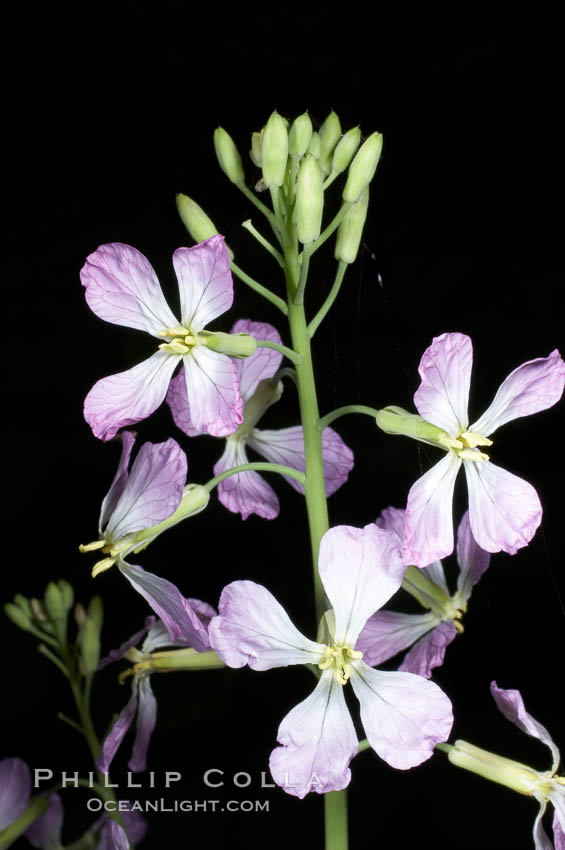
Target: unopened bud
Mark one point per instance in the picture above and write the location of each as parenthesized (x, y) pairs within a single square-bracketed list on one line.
[(274, 151), (67, 594), (345, 150), (234, 345), (228, 156), (54, 602), (300, 135), (255, 152), (18, 617), (90, 637), (315, 146), (363, 167), (195, 219), (80, 614), (309, 201), (330, 132), (351, 229), (23, 603)]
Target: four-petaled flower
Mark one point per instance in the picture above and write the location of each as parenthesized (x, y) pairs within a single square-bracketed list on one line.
[(248, 492), (504, 510), (403, 715), (122, 288)]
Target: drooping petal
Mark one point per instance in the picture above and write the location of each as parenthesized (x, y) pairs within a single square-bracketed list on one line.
[(212, 387), (205, 612), (504, 510), (253, 628), (388, 632), (122, 288), (473, 561), (135, 825), (360, 569), (318, 742), (533, 386), (246, 493), (428, 534), (146, 720), (117, 733), (511, 704), (170, 605), (128, 397), (557, 796), (118, 654), (177, 400), (404, 716), (45, 832), (205, 282), (15, 789), (286, 446), (264, 363), (153, 491), (119, 481), (443, 396), (429, 652), (113, 837), (541, 841)]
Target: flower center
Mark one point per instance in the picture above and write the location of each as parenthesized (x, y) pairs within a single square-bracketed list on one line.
[(339, 657), (113, 550), (180, 340), (469, 441)]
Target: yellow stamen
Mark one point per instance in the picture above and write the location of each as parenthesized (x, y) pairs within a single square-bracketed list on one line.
[(179, 331), (90, 547), (473, 454), (102, 566), (472, 440), (174, 347)]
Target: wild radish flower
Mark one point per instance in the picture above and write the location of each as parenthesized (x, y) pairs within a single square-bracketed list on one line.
[(404, 715), (140, 504), (545, 786), (389, 632), (248, 492), (504, 510), (122, 288)]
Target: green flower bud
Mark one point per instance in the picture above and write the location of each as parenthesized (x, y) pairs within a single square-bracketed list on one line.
[(54, 602), (90, 637), (396, 420), (234, 345), (195, 219), (67, 594), (330, 132), (351, 229), (96, 612), (345, 150), (274, 151), (18, 617), (255, 152), (309, 201), (300, 135), (363, 167), (23, 603), (315, 146), (228, 156)]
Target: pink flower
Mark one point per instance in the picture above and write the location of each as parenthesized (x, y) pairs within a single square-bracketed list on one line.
[(504, 510), (122, 288)]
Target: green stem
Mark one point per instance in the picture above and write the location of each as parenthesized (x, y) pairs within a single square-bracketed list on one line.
[(260, 206), (336, 820), (52, 657), (288, 352), (248, 225), (342, 411), (332, 226), (306, 254), (332, 295), (256, 466), (258, 287)]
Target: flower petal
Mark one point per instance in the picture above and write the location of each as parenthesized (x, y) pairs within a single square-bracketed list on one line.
[(264, 363), (504, 510), (541, 841), (122, 288), (253, 628), (146, 720), (153, 491), (113, 837), (128, 397), (45, 832), (15, 789), (404, 716), (533, 386), (473, 561), (118, 654), (393, 520), (429, 652), (177, 400), (118, 732), (360, 569), (511, 704), (246, 493), (205, 282), (429, 521), (170, 605), (318, 742), (557, 796), (212, 387), (119, 481), (443, 396), (388, 632)]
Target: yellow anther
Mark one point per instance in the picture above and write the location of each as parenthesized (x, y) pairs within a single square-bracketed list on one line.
[(102, 566), (190, 340), (90, 547), (174, 347), (180, 331), (472, 440), (354, 653), (449, 442), (459, 627), (473, 454)]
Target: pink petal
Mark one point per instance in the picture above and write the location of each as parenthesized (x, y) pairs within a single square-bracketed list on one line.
[(443, 396), (404, 716), (113, 837), (360, 569), (15, 789), (387, 632), (504, 510), (212, 388), (473, 561), (533, 386), (128, 397), (153, 490), (393, 520), (177, 400), (119, 481), (45, 832), (318, 742), (511, 704), (122, 288), (541, 841), (264, 363), (429, 651), (429, 520), (253, 628), (117, 733), (559, 827), (205, 282), (118, 654), (246, 493), (146, 720)]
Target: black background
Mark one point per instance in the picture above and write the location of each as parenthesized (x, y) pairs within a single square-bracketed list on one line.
[(108, 115)]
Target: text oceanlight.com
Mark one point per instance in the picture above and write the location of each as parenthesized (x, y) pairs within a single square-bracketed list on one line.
[(94, 804)]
